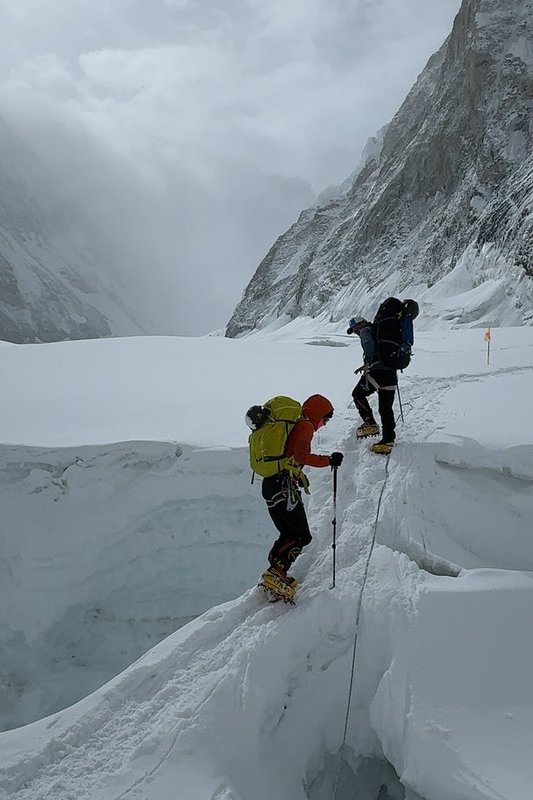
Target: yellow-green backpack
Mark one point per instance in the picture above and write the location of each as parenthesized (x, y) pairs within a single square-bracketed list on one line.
[(274, 420)]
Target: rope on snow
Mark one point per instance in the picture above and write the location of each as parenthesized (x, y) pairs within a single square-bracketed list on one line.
[(357, 619)]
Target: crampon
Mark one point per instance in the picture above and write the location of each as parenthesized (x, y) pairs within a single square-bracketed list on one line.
[(277, 588)]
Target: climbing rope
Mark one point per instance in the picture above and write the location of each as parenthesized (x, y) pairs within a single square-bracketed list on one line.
[(357, 619)]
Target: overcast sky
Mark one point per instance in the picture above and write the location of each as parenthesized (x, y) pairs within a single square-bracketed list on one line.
[(194, 131)]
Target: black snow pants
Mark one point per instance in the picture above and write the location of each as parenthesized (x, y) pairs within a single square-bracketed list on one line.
[(384, 382), (286, 508)]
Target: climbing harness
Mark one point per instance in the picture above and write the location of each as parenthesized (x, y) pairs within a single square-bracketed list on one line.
[(357, 619)]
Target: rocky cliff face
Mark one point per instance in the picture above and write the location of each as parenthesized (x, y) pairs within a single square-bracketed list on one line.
[(453, 181), (50, 288)]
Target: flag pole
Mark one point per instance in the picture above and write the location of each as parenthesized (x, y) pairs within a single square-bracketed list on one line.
[(488, 337)]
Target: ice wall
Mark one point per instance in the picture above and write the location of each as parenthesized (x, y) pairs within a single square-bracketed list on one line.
[(108, 549)]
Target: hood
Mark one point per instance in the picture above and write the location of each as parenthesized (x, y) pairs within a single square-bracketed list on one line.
[(315, 408)]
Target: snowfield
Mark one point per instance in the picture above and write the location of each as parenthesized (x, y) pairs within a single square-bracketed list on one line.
[(127, 510)]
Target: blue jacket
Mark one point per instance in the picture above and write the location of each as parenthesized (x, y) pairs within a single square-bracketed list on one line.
[(370, 350), (368, 343)]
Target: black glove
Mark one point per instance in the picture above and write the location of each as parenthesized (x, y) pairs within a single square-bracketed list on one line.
[(335, 459)]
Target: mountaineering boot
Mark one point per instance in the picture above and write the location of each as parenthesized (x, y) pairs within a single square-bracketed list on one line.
[(279, 585), (281, 574), (367, 429), (385, 448)]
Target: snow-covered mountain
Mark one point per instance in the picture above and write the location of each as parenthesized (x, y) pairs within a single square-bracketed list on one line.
[(54, 280), (450, 189)]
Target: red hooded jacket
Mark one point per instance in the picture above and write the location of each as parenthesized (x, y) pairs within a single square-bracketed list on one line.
[(298, 444)]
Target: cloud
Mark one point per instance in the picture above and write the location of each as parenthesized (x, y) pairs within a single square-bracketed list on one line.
[(217, 120)]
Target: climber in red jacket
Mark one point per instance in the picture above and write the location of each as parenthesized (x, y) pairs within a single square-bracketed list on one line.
[(282, 491)]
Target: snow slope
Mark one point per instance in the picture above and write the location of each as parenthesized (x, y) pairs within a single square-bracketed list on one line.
[(249, 701)]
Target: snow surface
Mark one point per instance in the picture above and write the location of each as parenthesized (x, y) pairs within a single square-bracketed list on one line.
[(127, 509)]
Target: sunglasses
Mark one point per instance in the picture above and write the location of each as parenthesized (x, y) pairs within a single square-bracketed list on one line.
[(327, 417)]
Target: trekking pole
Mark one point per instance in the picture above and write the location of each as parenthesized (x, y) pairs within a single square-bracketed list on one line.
[(334, 521), (400, 402)]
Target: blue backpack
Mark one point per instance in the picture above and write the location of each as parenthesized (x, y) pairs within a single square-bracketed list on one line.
[(394, 333)]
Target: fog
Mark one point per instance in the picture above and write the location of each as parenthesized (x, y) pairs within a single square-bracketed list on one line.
[(191, 133)]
